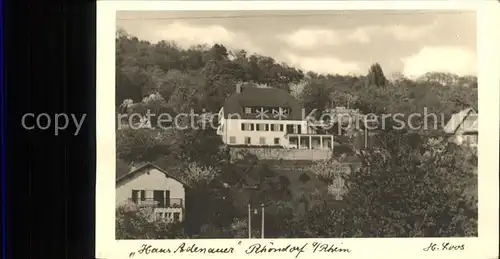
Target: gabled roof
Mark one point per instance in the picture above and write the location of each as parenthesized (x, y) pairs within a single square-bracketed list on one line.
[(262, 97), (151, 165), (467, 119)]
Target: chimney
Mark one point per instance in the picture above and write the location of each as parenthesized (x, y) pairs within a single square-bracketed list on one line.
[(238, 88)]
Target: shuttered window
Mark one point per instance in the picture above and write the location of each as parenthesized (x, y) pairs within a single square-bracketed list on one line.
[(135, 195)]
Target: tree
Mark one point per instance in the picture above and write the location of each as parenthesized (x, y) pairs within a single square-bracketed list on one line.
[(376, 75), (141, 145), (122, 167), (412, 186), (202, 77), (315, 96), (332, 172), (296, 89), (210, 203), (133, 222), (200, 176), (304, 178), (173, 80)]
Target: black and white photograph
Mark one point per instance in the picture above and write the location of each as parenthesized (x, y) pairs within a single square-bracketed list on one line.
[(296, 124), (296, 129)]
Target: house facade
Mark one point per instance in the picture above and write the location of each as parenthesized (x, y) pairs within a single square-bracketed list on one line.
[(268, 117), (149, 186), (463, 128)]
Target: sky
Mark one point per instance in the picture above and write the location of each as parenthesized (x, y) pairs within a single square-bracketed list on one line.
[(409, 42)]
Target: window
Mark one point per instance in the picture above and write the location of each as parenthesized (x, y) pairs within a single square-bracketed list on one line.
[(262, 140), (232, 140), (276, 141), (248, 110), (167, 198), (276, 127), (159, 198), (293, 128), (143, 195), (135, 195), (282, 127), (177, 216), (248, 141), (247, 126), (262, 127), (470, 139)]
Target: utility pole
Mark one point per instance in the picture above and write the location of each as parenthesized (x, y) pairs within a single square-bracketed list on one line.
[(262, 209), (251, 188), (366, 137), (366, 132), (249, 221)]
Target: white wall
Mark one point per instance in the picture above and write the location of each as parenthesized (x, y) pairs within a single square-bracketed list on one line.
[(232, 127), (283, 154), (151, 179)]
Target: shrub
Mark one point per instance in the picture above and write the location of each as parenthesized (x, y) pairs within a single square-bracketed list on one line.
[(133, 222), (403, 189)]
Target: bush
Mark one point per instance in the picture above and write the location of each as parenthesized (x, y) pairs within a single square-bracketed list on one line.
[(304, 178), (137, 223), (403, 189)]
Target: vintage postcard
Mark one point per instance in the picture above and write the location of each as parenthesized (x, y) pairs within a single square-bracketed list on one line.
[(297, 129)]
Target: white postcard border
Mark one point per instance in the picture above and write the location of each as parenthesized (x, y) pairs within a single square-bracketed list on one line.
[(485, 246)]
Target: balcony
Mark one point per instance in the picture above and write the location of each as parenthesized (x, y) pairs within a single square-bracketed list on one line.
[(310, 141), (160, 203)]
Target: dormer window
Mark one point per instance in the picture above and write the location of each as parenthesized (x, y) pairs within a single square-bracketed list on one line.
[(248, 110)]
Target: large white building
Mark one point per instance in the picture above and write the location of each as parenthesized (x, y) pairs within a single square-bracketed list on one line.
[(268, 117)]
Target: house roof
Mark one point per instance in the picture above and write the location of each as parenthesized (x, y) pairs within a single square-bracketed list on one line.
[(119, 179), (467, 119), (262, 97)]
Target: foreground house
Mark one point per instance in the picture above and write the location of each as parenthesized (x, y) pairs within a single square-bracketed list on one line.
[(268, 117), (149, 186), (463, 128)]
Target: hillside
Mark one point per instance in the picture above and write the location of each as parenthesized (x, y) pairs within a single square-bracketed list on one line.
[(165, 78), (202, 77)]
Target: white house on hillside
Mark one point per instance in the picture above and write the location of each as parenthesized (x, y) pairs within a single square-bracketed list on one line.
[(268, 117), (463, 127), (152, 187)]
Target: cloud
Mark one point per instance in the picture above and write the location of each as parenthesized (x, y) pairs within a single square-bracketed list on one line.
[(449, 59), (359, 35), (305, 38), (186, 35), (311, 38), (407, 33), (323, 65)]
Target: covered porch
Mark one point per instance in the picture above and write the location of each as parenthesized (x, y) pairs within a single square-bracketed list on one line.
[(310, 141)]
